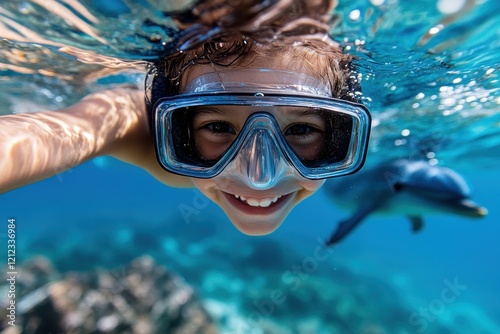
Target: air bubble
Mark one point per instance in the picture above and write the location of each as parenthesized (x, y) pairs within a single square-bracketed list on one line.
[(355, 15)]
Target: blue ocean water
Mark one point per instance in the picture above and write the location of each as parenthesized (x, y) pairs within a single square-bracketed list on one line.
[(430, 75)]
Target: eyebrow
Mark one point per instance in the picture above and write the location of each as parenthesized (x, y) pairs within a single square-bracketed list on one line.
[(306, 111), (201, 110)]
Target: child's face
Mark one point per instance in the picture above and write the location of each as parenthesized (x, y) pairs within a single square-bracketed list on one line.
[(252, 211)]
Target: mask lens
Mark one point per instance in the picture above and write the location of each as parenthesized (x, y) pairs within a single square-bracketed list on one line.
[(200, 138), (319, 137), (202, 135)]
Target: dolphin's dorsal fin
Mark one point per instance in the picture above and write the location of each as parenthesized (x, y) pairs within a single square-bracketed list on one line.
[(417, 223)]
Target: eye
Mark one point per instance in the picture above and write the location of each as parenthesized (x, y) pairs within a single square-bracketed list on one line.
[(220, 128), (303, 136), (300, 130)]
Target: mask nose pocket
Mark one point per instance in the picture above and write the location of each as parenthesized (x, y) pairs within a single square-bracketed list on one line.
[(261, 159)]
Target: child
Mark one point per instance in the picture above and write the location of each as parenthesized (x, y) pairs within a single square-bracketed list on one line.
[(255, 127)]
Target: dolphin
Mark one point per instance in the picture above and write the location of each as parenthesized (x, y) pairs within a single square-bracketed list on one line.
[(400, 186)]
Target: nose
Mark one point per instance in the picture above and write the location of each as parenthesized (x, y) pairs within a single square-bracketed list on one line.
[(261, 160)]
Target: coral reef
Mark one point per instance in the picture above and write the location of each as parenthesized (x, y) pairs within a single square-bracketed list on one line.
[(139, 298)]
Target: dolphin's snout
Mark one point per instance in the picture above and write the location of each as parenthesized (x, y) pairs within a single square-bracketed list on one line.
[(481, 211), (472, 209)]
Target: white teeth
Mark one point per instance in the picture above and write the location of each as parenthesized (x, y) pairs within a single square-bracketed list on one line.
[(264, 203), (253, 202)]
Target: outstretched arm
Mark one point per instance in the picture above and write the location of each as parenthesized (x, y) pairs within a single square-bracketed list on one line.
[(34, 146)]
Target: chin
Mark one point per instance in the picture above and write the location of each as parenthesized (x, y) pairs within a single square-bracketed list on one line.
[(256, 228), (256, 231)]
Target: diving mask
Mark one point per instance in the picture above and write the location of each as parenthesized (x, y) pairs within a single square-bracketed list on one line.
[(276, 124)]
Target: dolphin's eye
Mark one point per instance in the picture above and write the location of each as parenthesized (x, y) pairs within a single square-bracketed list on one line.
[(397, 186)]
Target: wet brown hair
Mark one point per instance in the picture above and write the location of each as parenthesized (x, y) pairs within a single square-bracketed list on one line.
[(231, 33)]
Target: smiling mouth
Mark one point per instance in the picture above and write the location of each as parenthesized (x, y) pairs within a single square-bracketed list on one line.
[(264, 203), (256, 206)]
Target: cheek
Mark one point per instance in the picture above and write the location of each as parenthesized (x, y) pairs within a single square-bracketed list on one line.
[(206, 186), (211, 147), (210, 187), (312, 185), (309, 187)]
